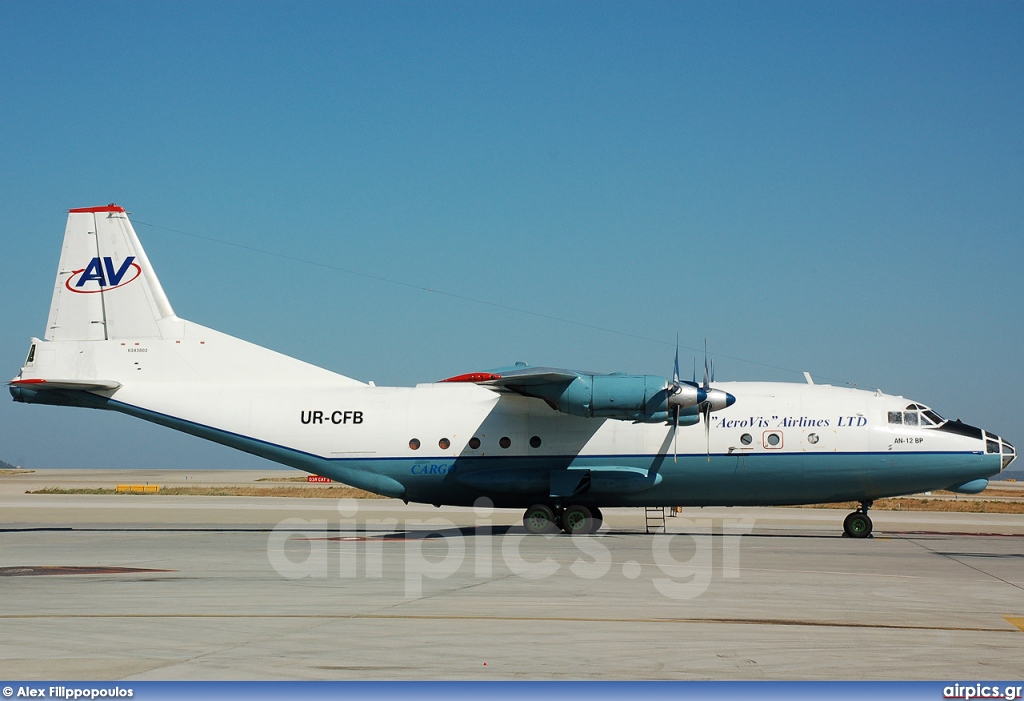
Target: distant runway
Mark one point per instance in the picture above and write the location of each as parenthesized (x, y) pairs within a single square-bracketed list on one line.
[(159, 587)]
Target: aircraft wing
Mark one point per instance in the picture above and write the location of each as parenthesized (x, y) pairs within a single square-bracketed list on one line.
[(519, 378), (615, 396), (644, 398)]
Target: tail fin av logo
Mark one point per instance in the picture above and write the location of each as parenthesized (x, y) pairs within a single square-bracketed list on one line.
[(104, 273)]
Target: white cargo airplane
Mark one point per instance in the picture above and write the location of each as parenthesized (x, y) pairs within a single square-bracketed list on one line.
[(559, 443)]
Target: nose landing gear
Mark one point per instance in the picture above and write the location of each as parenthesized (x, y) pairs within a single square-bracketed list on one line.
[(858, 524)]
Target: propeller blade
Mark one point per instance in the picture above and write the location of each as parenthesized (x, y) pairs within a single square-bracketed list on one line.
[(706, 411), (675, 437), (675, 367), (707, 384)]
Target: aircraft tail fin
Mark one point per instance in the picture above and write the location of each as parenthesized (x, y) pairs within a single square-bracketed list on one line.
[(105, 286)]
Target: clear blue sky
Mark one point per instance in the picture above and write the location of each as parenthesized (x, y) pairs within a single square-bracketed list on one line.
[(827, 186)]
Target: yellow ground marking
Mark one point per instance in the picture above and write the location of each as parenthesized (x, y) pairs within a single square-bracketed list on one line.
[(1016, 621), (138, 488)]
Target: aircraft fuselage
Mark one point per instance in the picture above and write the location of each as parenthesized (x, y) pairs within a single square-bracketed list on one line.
[(562, 443)]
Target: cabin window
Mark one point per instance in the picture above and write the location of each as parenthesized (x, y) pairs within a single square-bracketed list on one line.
[(812, 438), (444, 444), (772, 439), (746, 439), (535, 442), (505, 442), (474, 443), (414, 443)]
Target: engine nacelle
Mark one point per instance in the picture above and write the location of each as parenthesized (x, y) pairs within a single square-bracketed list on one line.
[(641, 398), (644, 398)]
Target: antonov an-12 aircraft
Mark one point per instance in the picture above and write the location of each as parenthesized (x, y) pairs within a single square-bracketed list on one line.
[(560, 444)]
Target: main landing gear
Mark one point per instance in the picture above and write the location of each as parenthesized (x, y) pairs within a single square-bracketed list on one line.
[(574, 519), (858, 524)]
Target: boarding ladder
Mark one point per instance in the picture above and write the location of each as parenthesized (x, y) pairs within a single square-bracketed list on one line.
[(655, 519)]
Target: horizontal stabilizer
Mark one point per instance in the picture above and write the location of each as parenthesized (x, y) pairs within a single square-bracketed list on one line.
[(85, 385)]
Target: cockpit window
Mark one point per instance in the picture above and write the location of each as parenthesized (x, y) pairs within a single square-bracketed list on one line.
[(915, 415), (1009, 454), (31, 355), (991, 446)]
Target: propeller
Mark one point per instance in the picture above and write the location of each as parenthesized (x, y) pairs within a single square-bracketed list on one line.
[(714, 399), (683, 395)]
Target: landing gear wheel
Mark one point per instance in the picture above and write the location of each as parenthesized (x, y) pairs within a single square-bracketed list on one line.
[(540, 519), (598, 517), (577, 520), (857, 525)]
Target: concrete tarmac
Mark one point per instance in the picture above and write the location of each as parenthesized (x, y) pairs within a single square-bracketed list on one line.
[(159, 587)]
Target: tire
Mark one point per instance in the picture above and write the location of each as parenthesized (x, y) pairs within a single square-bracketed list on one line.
[(857, 525), (539, 519), (598, 517), (577, 520)]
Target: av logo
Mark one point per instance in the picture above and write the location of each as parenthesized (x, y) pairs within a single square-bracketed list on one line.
[(105, 274)]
